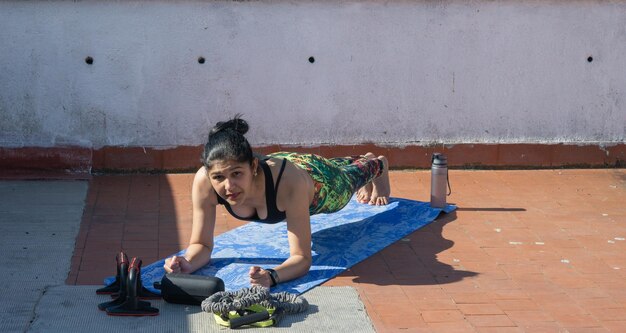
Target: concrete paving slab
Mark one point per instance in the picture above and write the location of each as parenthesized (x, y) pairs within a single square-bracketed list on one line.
[(39, 221), (74, 308)]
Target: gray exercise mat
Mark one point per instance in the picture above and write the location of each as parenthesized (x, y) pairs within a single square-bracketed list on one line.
[(74, 308)]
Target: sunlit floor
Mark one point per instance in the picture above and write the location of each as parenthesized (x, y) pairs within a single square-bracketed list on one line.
[(527, 251)]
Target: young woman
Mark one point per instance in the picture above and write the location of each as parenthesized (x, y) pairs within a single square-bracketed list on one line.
[(270, 189)]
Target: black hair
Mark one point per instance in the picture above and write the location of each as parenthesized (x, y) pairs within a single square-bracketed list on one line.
[(227, 142)]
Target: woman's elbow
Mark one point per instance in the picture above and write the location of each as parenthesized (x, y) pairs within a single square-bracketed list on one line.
[(307, 262)]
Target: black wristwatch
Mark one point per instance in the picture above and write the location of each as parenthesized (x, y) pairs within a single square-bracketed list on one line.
[(273, 276)]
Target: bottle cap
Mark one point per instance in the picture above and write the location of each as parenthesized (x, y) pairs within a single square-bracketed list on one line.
[(439, 159)]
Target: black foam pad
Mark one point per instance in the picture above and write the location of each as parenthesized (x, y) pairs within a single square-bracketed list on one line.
[(188, 289)]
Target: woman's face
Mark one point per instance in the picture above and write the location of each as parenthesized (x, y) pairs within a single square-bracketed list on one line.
[(232, 180)]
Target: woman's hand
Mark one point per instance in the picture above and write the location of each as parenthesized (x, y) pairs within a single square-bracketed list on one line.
[(259, 277), (177, 264)]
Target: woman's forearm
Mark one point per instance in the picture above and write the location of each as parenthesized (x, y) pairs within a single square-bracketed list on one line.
[(293, 268), (198, 255)]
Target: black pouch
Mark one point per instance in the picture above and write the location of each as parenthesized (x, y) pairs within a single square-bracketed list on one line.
[(188, 289)]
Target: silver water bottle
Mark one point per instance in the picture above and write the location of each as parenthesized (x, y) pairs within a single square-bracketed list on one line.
[(439, 181)]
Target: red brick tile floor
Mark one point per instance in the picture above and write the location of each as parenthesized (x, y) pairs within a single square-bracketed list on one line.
[(527, 251)]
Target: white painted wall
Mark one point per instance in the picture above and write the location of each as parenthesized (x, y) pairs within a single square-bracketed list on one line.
[(395, 72)]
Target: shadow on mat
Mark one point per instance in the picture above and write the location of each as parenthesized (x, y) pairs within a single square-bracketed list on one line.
[(220, 263), (413, 260)]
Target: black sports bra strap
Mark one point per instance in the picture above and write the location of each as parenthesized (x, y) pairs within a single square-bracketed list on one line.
[(280, 174), (269, 182)]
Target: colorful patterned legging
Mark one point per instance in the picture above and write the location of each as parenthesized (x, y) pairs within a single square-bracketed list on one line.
[(336, 179)]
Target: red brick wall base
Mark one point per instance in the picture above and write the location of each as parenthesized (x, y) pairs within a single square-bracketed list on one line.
[(186, 158)]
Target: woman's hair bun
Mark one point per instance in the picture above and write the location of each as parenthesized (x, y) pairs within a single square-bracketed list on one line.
[(227, 142), (236, 124)]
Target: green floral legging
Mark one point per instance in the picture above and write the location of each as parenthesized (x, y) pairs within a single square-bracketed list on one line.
[(336, 179)]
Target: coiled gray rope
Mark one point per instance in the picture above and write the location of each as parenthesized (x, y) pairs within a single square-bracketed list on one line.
[(225, 301)]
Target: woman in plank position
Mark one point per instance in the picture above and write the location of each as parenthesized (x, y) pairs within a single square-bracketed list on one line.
[(270, 189)]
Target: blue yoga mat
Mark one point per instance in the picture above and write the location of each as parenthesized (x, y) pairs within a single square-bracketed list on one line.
[(339, 241)]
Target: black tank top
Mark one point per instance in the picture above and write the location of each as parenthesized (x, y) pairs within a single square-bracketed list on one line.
[(273, 214)]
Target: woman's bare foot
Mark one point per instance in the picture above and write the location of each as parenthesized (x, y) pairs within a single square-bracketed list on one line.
[(364, 194), (381, 189)]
